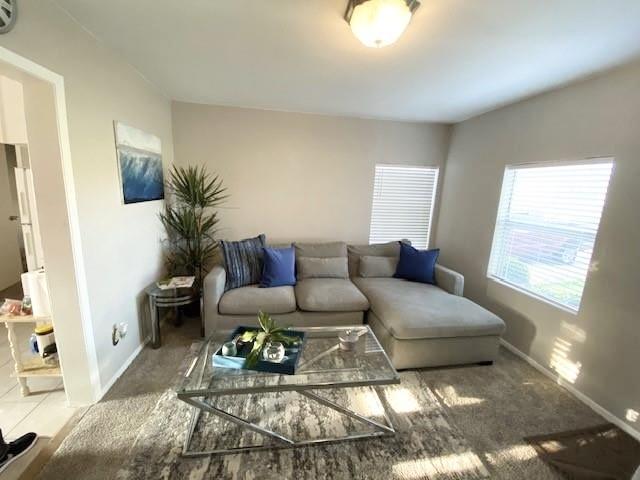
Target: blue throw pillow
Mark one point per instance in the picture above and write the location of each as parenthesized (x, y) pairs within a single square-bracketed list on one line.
[(243, 261), (417, 265), (279, 267)]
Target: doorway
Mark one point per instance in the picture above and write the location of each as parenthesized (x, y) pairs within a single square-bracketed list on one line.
[(12, 257), (19, 228), (32, 385)]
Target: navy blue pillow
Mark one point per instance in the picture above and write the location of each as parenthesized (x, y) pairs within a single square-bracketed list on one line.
[(279, 267), (417, 265)]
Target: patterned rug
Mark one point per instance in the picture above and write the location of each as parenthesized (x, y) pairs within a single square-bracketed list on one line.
[(426, 446)]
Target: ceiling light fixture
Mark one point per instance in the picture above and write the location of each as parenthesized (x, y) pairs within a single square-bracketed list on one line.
[(378, 23)]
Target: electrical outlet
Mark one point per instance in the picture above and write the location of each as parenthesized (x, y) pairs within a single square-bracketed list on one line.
[(118, 332)]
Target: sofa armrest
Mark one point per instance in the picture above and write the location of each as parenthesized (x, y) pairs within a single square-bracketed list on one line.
[(212, 290), (450, 281)]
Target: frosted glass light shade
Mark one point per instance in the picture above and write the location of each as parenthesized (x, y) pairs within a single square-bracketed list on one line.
[(378, 23)]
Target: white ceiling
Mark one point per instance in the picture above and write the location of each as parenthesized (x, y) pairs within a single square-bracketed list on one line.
[(458, 58)]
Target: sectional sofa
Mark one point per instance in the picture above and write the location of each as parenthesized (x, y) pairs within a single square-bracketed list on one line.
[(418, 325)]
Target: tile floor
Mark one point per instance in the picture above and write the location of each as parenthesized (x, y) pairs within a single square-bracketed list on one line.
[(45, 411)]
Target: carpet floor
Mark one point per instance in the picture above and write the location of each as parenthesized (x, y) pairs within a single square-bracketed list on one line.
[(487, 410), (426, 443)]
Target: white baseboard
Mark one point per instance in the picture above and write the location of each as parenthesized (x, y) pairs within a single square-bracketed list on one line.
[(599, 409), (121, 370)]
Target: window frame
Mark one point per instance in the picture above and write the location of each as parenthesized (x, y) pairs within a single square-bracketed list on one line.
[(550, 163), (432, 209)]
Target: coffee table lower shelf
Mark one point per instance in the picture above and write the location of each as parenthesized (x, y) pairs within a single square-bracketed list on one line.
[(281, 441)]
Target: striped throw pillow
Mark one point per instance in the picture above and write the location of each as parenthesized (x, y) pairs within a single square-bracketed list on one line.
[(243, 261)]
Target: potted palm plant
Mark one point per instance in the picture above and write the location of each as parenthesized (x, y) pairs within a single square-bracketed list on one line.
[(190, 220)]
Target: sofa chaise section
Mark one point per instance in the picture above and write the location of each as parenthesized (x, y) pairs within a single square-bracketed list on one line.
[(421, 325)]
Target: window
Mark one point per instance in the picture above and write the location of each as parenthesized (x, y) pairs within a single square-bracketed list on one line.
[(403, 199), (546, 227)]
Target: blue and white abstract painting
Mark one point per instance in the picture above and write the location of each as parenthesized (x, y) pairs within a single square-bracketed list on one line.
[(140, 158)]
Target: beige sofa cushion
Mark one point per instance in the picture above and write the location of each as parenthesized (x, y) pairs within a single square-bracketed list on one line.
[(377, 266), (389, 249), (321, 250), (329, 295), (312, 267), (250, 299), (410, 310)]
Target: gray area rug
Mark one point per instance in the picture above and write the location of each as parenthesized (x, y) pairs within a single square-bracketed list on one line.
[(427, 444), (493, 408)]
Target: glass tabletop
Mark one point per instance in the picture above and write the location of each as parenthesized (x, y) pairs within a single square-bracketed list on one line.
[(323, 365), (156, 291)]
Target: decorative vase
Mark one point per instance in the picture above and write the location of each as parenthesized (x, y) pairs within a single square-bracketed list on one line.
[(229, 349), (273, 352), (348, 340)]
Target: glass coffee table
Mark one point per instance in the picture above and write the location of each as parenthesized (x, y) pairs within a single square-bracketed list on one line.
[(323, 366)]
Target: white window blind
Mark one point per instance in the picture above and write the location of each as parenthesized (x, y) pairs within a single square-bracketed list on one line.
[(403, 198), (547, 223)]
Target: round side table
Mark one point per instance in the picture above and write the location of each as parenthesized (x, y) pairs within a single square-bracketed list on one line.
[(169, 298)]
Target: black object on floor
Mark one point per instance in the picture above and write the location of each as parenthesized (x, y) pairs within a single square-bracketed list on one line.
[(13, 450), (600, 452)]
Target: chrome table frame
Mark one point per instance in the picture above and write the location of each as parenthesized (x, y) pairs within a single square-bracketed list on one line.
[(170, 298), (198, 400)]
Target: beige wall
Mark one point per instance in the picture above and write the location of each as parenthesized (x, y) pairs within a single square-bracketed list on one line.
[(298, 176), (78, 363), (598, 117), (120, 244)]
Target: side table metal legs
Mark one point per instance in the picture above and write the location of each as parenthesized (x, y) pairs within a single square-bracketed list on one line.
[(201, 315), (155, 322), (156, 302)]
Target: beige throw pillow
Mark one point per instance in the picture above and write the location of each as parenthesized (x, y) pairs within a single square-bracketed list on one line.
[(389, 249), (378, 266), (315, 267)]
